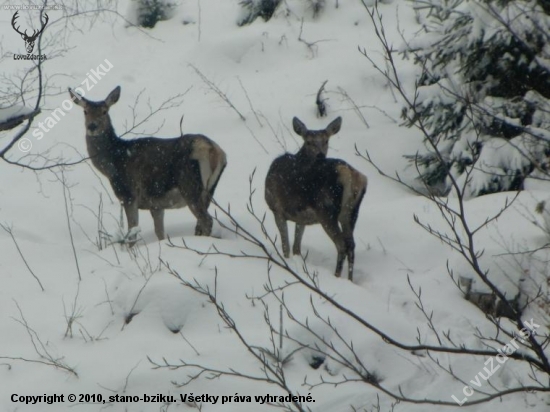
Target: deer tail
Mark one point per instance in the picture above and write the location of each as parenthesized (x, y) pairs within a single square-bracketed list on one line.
[(218, 161), (212, 160)]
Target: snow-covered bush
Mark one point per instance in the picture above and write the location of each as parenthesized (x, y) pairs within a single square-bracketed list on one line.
[(257, 8), (252, 9), (483, 92), (150, 12)]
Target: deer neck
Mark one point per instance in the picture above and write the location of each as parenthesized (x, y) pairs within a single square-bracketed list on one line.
[(304, 159), (105, 150)]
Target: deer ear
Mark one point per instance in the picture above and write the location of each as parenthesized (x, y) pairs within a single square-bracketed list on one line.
[(76, 98), (113, 97), (334, 126), (299, 127)]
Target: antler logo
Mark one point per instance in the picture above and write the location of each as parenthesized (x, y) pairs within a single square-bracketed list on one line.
[(29, 40)]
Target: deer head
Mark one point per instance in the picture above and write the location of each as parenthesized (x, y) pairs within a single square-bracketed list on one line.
[(96, 114), (316, 141), (29, 40)]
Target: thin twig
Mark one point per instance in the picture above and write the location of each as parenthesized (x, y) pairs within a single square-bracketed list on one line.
[(212, 86), (9, 230)]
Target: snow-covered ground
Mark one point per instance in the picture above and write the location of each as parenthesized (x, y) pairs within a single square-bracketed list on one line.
[(270, 76)]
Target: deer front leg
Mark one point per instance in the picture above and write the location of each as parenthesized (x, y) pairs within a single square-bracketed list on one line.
[(333, 230), (158, 219), (132, 216), (298, 234), (283, 230)]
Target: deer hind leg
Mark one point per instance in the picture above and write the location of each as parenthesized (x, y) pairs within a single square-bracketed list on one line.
[(333, 231), (280, 221), (350, 254), (298, 234), (158, 219), (348, 226), (132, 217), (204, 220), (193, 190), (355, 210)]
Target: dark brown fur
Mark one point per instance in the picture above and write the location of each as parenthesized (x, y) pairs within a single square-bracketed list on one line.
[(307, 188), (153, 173)]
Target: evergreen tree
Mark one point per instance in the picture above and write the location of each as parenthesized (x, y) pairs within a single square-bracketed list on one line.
[(150, 12), (258, 8), (252, 9), (483, 92)]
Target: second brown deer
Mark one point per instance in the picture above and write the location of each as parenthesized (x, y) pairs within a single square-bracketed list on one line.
[(309, 188), (153, 173)]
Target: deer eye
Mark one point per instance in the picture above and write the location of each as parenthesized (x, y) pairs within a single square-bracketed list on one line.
[(104, 111)]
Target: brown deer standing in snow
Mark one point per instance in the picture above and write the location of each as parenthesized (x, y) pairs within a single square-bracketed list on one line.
[(307, 188), (153, 173)]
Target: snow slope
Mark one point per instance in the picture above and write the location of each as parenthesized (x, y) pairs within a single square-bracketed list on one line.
[(280, 76)]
